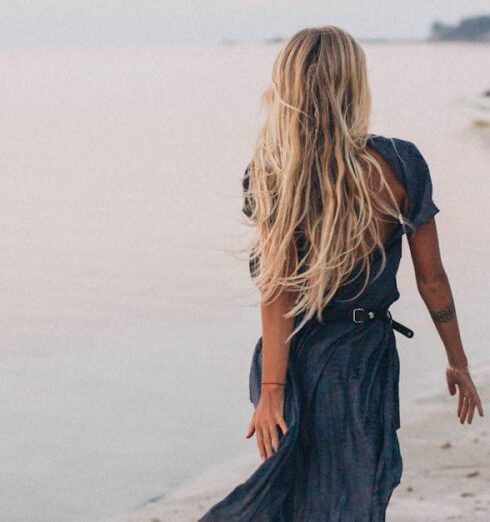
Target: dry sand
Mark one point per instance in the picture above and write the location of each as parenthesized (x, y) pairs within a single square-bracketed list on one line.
[(446, 469)]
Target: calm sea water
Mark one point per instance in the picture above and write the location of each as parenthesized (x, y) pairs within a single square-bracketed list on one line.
[(127, 326)]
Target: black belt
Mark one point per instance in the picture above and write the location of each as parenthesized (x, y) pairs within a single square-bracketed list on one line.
[(361, 315)]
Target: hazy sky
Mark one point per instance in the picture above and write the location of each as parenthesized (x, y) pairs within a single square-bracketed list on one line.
[(114, 22)]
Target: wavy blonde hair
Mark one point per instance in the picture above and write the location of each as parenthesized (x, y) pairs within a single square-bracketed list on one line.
[(316, 216)]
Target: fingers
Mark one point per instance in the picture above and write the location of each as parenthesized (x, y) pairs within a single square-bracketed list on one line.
[(264, 443), (468, 408), (476, 399), (479, 406), (274, 438), (471, 411), (464, 408), (460, 401), (282, 425), (260, 444), (250, 429), (471, 401), (267, 437), (468, 400)]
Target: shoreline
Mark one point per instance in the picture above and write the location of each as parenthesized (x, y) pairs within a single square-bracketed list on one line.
[(445, 475)]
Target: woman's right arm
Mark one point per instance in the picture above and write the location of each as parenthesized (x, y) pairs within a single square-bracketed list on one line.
[(434, 288), (269, 414)]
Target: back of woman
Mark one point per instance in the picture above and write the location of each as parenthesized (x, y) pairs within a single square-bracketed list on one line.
[(330, 203)]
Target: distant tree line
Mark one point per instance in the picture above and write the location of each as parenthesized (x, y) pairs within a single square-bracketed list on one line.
[(476, 28)]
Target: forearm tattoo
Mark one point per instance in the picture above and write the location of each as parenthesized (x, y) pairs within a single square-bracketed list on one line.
[(444, 315)]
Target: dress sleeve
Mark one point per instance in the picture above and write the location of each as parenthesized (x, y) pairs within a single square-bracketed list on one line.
[(422, 207)]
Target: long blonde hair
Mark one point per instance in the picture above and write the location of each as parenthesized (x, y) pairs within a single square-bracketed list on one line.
[(308, 196)]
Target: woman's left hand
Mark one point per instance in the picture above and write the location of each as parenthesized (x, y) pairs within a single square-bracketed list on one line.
[(468, 396)]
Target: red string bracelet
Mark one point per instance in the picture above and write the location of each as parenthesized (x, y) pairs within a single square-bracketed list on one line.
[(274, 383)]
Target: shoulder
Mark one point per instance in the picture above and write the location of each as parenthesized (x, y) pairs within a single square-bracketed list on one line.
[(415, 165), (416, 176), (405, 156), (412, 151), (402, 148)]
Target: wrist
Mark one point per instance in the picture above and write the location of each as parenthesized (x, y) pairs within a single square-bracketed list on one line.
[(460, 362), (272, 386)]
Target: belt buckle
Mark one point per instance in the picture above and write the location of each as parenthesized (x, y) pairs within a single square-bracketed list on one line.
[(354, 314)]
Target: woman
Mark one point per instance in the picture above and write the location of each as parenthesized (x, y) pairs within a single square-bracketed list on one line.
[(330, 203)]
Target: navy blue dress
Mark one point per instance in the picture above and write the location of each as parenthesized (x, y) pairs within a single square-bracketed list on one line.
[(340, 459)]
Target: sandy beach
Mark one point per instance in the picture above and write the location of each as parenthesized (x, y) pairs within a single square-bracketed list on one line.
[(446, 469)]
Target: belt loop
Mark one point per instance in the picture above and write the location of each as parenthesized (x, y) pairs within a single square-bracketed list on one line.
[(354, 319)]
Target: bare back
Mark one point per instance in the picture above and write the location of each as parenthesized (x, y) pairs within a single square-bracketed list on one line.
[(388, 228), (424, 245)]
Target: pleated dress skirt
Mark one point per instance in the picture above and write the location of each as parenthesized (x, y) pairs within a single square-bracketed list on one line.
[(340, 459)]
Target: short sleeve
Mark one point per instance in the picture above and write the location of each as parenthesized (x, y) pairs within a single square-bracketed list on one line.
[(422, 207)]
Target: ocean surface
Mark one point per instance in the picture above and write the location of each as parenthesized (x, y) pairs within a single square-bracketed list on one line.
[(128, 317)]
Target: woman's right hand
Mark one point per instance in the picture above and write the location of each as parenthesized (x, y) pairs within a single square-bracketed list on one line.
[(266, 417), (468, 396)]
